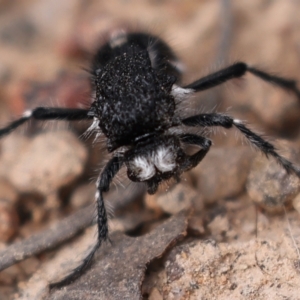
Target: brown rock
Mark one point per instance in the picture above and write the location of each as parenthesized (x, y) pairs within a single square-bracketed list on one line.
[(9, 220), (176, 197), (83, 195), (296, 203), (223, 172), (241, 270), (43, 164), (119, 271), (268, 183)]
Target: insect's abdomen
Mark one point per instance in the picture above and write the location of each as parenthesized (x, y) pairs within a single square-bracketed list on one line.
[(132, 98)]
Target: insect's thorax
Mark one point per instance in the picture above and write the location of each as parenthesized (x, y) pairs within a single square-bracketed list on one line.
[(132, 98)]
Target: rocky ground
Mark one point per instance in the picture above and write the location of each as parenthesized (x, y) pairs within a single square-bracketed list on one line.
[(229, 230)]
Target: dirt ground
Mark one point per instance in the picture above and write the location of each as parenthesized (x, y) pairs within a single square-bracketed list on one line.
[(228, 230)]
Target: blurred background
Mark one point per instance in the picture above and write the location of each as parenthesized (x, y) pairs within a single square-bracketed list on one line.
[(45, 50), (48, 42)]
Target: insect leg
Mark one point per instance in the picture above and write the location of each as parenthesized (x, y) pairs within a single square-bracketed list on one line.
[(238, 70), (45, 113), (214, 119), (193, 139), (103, 183)]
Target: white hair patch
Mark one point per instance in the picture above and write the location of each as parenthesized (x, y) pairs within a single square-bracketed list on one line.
[(118, 38), (237, 121), (164, 159), (179, 93), (94, 126), (27, 113), (143, 168)]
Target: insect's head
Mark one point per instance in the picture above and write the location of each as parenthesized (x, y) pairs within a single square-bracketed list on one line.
[(154, 160)]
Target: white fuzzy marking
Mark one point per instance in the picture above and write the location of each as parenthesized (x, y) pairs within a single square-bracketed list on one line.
[(143, 168), (118, 38), (180, 93), (237, 121), (164, 159), (27, 113), (94, 125), (93, 128), (97, 137)]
